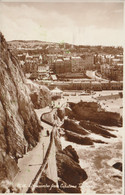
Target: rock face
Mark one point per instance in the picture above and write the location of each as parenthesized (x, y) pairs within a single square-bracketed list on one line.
[(72, 126), (19, 126), (92, 111), (78, 139), (60, 113), (76, 133), (79, 133), (40, 95), (70, 151), (70, 174), (97, 129), (69, 171), (69, 113)]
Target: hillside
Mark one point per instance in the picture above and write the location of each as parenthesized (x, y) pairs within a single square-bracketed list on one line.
[(19, 124)]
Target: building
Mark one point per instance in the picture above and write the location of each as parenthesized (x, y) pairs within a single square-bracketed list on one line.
[(115, 61), (77, 64), (112, 72), (67, 65), (53, 77), (74, 64), (105, 70), (88, 61), (108, 59), (59, 66), (32, 62), (116, 72)]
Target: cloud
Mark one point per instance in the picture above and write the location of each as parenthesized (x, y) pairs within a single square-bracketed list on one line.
[(102, 36), (85, 23)]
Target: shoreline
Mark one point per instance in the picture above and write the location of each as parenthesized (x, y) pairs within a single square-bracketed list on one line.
[(89, 157), (97, 160)]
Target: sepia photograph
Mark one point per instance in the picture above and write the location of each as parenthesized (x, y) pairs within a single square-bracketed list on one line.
[(61, 96)]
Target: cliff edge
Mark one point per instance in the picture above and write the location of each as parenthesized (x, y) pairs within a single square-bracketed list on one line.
[(19, 126)]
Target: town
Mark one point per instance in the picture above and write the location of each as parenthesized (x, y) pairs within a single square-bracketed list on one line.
[(70, 67)]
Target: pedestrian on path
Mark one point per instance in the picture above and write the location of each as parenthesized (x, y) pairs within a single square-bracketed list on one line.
[(47, 132)]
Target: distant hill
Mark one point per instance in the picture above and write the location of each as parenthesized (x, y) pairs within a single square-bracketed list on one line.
[(77, 48)]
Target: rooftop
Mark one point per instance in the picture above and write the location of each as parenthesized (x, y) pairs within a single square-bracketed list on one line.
[(66, 58), (77, 57), (59, 60)]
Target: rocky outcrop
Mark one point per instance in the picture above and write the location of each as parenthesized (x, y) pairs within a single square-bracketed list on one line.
[(92, 111), (77, 138), (70, 151), (79, 133), (97, 129), (72, 126), (40, 95), (70, 174), (69, 113), (60, 113), (69, 185), (69, 171), (19, 124)]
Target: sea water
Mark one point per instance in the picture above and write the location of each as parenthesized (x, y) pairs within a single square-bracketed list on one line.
[(97, 161)]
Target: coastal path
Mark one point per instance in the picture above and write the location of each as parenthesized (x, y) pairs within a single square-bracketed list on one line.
[(32, 161)]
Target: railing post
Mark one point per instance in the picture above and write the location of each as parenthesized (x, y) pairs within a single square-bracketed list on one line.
[(43, 150)]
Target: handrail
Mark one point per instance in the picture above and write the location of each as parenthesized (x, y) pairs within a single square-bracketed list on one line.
[(42, 168)]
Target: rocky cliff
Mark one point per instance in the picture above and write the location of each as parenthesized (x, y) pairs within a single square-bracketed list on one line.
[(86, 123), (85, 119), (19, 126), (93, 112), (40, 95), (70, 173)]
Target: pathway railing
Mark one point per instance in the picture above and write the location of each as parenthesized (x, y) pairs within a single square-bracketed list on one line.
[(35, 181)]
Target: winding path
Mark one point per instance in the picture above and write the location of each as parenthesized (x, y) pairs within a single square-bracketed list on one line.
[(31, 163)]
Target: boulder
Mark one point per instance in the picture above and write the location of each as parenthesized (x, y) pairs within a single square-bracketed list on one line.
[(92, 127), (69, 170), (70, 174), (74, 127), (118, 166), (70, 151), (78, 139)]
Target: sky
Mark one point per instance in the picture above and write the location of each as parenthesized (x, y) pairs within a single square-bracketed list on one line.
[(77, 23)]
